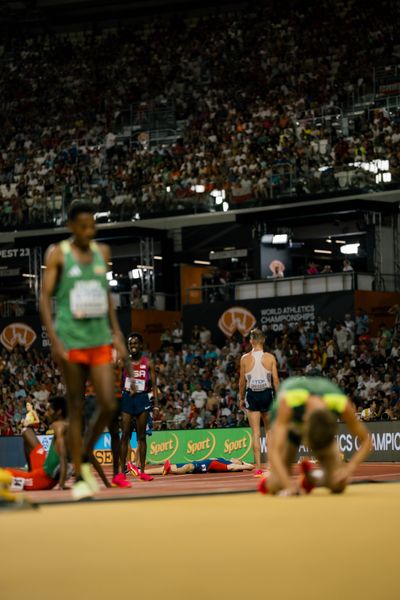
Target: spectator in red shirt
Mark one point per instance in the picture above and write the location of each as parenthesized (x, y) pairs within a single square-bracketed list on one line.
[(312, 269)]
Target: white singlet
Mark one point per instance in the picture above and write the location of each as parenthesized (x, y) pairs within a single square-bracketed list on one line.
[(259, 378)]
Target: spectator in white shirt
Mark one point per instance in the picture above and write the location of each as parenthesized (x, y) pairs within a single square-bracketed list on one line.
[(342, 338), (199, 397), (177, 337)]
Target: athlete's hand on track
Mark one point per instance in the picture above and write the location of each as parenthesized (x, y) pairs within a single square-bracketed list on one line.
[(341, 476), (242, 405), (59, 353), (292, 490)]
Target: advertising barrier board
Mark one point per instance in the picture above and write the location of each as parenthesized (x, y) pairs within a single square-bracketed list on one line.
[(225, 319), (385, 442), (199, 444)]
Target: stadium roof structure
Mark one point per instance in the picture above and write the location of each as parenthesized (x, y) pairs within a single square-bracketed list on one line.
[(61, 14)]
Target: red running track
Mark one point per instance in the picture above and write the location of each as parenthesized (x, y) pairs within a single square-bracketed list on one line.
[(202, 484)]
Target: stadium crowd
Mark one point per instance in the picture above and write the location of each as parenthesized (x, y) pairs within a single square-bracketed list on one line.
[(249, 89), (198, 381)]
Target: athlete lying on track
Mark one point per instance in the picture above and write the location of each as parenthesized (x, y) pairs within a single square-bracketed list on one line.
[(210, 465), (306, 411)]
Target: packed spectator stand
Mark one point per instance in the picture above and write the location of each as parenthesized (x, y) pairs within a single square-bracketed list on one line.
[(198, 381), (259, 97)]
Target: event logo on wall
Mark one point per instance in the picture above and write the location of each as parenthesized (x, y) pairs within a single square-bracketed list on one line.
[(17, 334), (223, 319), (277, 268), (235, 319)]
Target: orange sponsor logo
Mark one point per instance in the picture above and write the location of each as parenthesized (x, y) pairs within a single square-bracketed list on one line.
[(235, 319), (17, 334)]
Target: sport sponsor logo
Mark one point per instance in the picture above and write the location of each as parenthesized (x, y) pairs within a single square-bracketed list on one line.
[(162, 450), (235, 319), (202, 448), (17, 334), (237, 447), (104, 457)]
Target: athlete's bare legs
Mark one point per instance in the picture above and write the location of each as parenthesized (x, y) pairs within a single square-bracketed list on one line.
[(75, 376), (113, 428), (254, 418), (141, 424), (126, 429), (331, 465), (273, 481), (30, 442), (174, 470), (102, 377)]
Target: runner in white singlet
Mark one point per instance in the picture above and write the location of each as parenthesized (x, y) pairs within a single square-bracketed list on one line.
[(258, 379)]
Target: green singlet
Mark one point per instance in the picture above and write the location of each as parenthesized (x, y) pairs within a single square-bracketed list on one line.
[(82, 301), (296, 391), (52, 463)]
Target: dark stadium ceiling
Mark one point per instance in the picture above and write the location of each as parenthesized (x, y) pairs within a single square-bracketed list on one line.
[(37, 14)]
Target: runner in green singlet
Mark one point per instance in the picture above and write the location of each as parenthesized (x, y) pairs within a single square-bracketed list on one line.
[(82, 334), (306, 411)]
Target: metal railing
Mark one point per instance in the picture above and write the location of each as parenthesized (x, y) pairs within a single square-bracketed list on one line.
[(284, 180), (286, 286)]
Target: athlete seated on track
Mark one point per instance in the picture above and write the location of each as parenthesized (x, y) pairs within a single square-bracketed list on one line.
[(210, 465), (305, 412), (45, 470)]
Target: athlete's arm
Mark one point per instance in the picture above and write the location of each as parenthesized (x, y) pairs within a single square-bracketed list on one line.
[(153, 381), (275, 376), (59, 442), (118, 338), (357, 429), (242, 382), (53, 262), (278, 446)]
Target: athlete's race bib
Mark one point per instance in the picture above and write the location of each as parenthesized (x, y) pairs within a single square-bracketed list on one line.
[(18, 483), (140, 384), (88, 300), (258, 385)]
